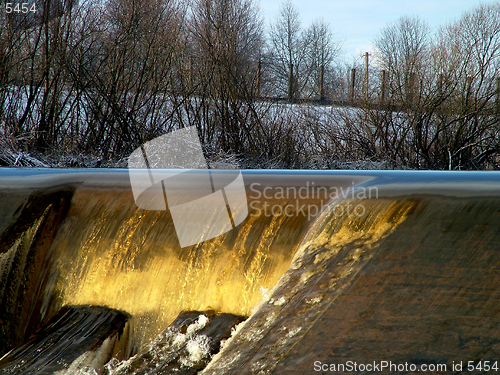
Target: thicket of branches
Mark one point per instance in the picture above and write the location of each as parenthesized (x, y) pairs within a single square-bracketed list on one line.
[(90, 81), (446, 92)]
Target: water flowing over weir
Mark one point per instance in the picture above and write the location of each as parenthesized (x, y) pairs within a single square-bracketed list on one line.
[(100, 249), (412, 275)]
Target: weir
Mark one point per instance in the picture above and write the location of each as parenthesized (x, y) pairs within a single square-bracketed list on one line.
[(403, 267)]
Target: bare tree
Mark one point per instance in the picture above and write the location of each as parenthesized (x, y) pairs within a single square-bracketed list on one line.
[(128, 84), (468, 62), (227, 37), (443, 91), (287, 48), (33, 74), (321, 50), (403, 52)]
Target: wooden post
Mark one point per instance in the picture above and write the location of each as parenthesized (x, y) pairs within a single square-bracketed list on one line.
[(290, 83), (468, 92), (352, 85), (410, 94), (321, 83), (191, 74), (382, 87), (440, 85), (440, 93), (497, 99), (366, 75), (258, 83)]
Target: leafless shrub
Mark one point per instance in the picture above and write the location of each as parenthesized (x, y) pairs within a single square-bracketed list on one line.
[(87, 82)]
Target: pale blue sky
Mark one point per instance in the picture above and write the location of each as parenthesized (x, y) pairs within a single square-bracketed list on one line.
[(358, 22)]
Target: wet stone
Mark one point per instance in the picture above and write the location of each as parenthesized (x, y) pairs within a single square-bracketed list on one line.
[(185, 347), (76, 337)]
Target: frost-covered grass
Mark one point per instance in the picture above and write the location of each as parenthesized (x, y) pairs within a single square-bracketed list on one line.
[(286, 137)]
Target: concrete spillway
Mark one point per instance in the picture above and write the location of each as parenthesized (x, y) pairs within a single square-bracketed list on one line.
[(402, 268)]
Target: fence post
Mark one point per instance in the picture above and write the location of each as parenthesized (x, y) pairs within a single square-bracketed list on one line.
[(321, 83), (410, 94), (497, 99), (382, 87), (366, 75), (440, 85), (352, 85), (258, 83), (469, 87), (440, 91), (191, 74)]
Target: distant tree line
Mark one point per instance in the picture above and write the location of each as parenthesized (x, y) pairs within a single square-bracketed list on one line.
[(99, 78)]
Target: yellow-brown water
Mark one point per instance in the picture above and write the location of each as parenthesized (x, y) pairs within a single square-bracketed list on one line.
[(129, 259), (109, 252)]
